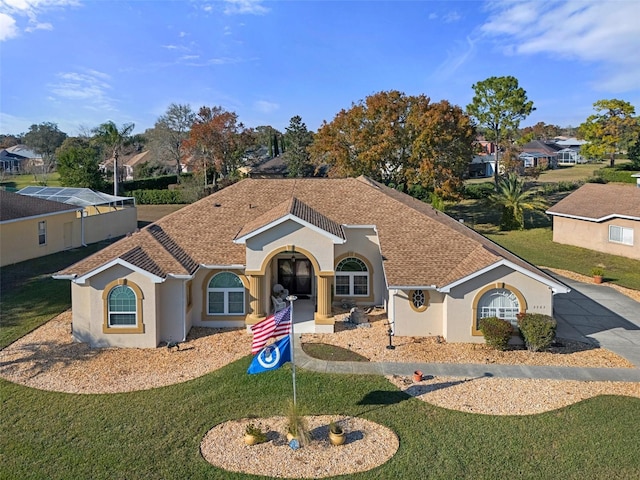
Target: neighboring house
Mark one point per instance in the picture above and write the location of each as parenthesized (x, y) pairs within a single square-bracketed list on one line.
[(32, 227), (222, 261), (130, 163), (482, 166), (102, 216), (570, 151), (539, 154), (19, 159), (602, 217), (272, 168)]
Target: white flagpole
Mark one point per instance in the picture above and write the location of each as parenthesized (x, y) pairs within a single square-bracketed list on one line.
[(291, 299)]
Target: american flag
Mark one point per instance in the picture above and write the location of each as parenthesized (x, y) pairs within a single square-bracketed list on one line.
[(274, 325)]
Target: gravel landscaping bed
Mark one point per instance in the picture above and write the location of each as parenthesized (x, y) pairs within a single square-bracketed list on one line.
[(47, 359), (224, 447)]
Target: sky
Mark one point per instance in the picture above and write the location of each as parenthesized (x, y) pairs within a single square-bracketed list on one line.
[(80, 63)]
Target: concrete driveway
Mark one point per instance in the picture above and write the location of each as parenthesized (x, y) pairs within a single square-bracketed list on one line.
[(599, 315)]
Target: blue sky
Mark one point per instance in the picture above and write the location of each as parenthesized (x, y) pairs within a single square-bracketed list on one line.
[(80, 63)]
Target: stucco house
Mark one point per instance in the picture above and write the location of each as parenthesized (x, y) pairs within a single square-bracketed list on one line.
[(223, 261), (602, 217), (33, 227)]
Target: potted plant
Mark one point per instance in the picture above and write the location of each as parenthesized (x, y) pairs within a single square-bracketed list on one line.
[(253, 435), (297, 428), (336, 434), (597, 273)]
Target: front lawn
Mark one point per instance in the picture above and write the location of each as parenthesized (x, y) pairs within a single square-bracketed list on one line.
[(155, 434)]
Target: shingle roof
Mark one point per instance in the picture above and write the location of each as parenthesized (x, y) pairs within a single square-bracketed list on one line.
[(14, 206), (597, 202), (299, 209), (420, 245)]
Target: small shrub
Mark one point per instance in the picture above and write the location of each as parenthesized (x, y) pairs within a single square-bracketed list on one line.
[(496, 332), (479, 191), (297, 424), (256, 431), (537, 330)]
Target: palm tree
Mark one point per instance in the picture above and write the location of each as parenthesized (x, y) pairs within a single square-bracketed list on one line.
[(114, 139), (512, 197)]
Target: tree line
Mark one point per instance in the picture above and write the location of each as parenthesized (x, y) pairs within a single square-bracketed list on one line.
[(405, 141)]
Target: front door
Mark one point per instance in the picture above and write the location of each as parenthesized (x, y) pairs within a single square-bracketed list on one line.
[(295, 276)]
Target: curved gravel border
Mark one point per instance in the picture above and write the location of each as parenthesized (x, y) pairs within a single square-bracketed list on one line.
[(224, 447)]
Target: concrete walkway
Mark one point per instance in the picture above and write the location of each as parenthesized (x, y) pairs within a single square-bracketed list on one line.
[(593, 314)]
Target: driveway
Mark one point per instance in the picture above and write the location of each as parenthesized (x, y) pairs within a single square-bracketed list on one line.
[(599, 315)]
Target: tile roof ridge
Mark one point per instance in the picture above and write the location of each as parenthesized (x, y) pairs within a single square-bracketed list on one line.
[(172, 248), (138, 257)]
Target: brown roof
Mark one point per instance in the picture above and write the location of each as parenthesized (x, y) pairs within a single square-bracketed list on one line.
[(421, 246), (598, 202), (299, 209), (14, 206)]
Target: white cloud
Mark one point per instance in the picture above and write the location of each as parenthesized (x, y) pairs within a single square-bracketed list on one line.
[(8, 27), (264, 106), (605, 34), (451, 17), (14, 12), (433, 16), (244, 7), (89, 86)]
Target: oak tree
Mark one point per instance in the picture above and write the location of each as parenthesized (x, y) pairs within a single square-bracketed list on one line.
[(610, 130), (398, 140), (44, 138)]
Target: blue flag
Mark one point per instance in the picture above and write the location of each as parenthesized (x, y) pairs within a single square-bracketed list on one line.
[(272, 356)]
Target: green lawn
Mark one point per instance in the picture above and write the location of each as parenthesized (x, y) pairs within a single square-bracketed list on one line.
[(29, 297), (18, 182), (536, 246), (155, 434)]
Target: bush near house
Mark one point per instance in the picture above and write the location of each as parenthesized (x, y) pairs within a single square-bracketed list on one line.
[(158, 197), (537, 330), (620, 173), (479, 191), (496, 332)]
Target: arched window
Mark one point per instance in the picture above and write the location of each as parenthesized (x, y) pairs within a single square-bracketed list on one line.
[(501, 303), (122, 307), (352, 278), (225, 294)]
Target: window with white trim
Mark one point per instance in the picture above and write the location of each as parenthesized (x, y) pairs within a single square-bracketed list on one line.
[(225, 295), (622, 235), (122, 307), (501, 303), (352, 278), (42, 232)]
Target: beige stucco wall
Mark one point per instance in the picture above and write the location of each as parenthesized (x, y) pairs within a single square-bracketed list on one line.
[(19, 240), (595, 235), (111, 224), (171, 310), (459, 302), (411, 323), (88, 310), (290, 233), (451, 315)]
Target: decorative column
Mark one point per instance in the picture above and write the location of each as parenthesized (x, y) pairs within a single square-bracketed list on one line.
[(324, 316), (256, 301)]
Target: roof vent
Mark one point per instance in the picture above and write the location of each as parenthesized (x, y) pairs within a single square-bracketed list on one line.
[(217, 205)]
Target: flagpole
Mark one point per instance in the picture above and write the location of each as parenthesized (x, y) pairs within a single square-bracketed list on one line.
[(291, 299)]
